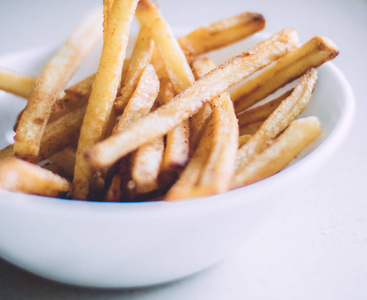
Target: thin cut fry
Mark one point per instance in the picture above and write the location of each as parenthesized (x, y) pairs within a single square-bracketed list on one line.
[(177, 142), (280, 153), (65, 160), (139, 60), (261, 112), (21, 176), (104, 89), (58, 134), (50, 84), (184, 186), (221, 33), (15, 83), (285, 113), (217, 171), (189, 101), (107, 5), (312, 54), (174, 60), (6, 152), (243, 139), (198, 122), (145, 164)]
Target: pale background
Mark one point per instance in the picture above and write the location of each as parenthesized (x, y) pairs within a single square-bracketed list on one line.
[(309, 249)]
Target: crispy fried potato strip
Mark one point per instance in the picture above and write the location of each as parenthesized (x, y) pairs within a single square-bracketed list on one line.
[(139, 60), (177, 141), (50, 84), (218, 162), (221, 33), (261, 112), (16, 83), (286, 112), (198, 122), (65, 160), (312, 54), (188, 102), (280, 153), (21, 176), (104, 90)]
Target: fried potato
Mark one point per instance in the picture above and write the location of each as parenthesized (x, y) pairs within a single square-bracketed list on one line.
[(280, 153), (138, 106), (214, 162), (50, 84), (198, 122), (145, 165), (312, 54), (243, 139), (261, 112), (188, 102), (6, 152), (251, 128), (177, 142), (139, 60), (107, 5), (15, 83), (104, 90), (21, 176), (286, 112), (184, 187), (221, 33), (65, 160)]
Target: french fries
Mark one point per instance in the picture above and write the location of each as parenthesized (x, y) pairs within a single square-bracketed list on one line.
[(104, 90), (188, 102), (215, 160), (15, 83), (280, 153), (162, 124), (139, 60), (312, 54), (286, 112), (198, 122), (221, 33), (50, 84), (21, 176)]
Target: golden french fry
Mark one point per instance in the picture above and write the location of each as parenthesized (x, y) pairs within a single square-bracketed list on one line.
[(312, 54), (184, 187), (65, 160), (280, 153), (58, 134), (104, 89), (6, 152), (114, 192), (145, 165), (50, 84), (217, 172), (179, 71), (261, 112), (188, 102), (221, 33), (15, 83), (173, 58), (107, 5), (21, 176), (177, 151), (72, 98), (243, 139), (279, 119), (141, 101), (198, 122), (139, 60)]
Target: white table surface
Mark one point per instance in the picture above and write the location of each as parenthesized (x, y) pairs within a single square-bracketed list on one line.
[(308, 249)]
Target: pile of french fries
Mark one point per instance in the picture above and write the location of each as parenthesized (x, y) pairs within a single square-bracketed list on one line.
[(161, 124)]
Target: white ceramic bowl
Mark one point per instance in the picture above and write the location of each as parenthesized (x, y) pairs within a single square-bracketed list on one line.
[(137, 244)]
